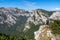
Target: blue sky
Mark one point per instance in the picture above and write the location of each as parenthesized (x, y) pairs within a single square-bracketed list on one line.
[(31, 4)]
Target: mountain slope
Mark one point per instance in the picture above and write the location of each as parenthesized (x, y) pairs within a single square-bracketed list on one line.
[(37, 17), (12, 20)]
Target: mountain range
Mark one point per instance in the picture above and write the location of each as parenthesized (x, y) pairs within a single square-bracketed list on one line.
[(20, 22)]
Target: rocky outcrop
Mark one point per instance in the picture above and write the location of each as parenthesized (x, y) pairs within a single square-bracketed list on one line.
[(44, 33)]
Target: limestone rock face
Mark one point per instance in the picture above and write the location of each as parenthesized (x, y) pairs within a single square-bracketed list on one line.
[(11, 15), (55, 15), (36, 17), (44, 33)]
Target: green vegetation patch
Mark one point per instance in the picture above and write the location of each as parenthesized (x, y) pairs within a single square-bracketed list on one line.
[(55, 27)]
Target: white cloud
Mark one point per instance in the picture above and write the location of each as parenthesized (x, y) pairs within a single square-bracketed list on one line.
[(27, 3), (57, 8)]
